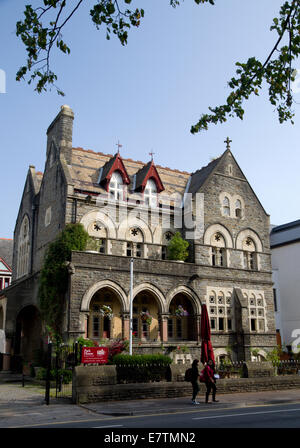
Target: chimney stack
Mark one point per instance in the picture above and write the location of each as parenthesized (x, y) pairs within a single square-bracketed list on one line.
[(60, 132)]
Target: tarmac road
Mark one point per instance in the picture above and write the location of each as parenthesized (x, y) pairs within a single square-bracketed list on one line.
[(25, 407)]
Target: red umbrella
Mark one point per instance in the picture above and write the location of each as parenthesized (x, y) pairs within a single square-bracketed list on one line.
[(206, 347)]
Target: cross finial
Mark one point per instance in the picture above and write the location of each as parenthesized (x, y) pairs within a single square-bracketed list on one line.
[(119, 146), (151, 154), (228, 141)]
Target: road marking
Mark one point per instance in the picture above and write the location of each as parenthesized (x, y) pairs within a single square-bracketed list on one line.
[(245, 413), (108, 426)]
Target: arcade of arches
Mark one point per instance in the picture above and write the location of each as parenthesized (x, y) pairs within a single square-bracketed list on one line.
[(164, 326)]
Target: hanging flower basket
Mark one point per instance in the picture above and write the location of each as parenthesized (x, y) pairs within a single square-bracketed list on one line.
[(146, 317), (106, 311), (181, 312)]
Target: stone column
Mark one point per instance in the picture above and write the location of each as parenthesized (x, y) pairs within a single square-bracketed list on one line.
[(198, 327), (7, 355), (164, 327), (125, 325)]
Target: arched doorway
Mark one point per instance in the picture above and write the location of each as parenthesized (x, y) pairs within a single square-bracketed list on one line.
[(28, 333), (145, 304), (104, 321), (182, 324)]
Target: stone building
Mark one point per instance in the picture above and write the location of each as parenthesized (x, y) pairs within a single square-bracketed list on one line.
[(132, 209)]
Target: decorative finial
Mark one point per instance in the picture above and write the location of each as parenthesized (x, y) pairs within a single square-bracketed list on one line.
[(151, 154), (119, 146), (228, 141)]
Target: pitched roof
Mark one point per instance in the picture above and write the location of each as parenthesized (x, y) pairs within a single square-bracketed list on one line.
[(86, 166), (6, 250), (146, 173), (285, 234), (199, 177)]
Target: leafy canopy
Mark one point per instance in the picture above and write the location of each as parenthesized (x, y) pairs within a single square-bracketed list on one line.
[(41, 30)]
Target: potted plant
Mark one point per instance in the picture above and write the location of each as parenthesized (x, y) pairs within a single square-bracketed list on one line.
[(146, 317), (106, 311), (178, 248), (180, 312)]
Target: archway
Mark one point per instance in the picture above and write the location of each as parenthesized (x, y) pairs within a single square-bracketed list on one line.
[(28, 333), (104, 319), (146, 304), (182, 320)]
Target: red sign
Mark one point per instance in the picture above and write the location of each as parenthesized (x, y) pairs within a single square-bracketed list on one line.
[(94, 355)]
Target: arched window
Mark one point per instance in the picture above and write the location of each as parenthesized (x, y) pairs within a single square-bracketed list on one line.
[(23, 248), (165, 241), (218, 250), (238, 209), (135, 240), (226, 206), (116, 188), (250, 259), (150, 193)]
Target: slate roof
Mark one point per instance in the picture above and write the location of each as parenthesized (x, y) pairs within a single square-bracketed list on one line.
[(6, 250), (86, 165), (285, 234), (199, 177)]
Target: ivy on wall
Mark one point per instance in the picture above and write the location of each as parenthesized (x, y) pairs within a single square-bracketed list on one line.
[(53, 282)]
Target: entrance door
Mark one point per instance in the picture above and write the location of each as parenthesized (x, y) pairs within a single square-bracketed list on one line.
[(106, 328)]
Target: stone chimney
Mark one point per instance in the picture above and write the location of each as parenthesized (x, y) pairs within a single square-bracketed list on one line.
[(60, 132)]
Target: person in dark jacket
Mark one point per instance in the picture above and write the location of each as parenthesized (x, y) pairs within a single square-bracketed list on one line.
[(210, 382), (195, 380)]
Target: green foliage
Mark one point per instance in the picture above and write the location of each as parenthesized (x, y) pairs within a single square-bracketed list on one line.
[(41, 30), (54, 373), (54, 275), (277, 72), (142, 368), (178, 248), (254, 351), (139, 360), (274, 356)]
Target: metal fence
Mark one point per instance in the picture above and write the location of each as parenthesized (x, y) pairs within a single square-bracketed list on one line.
[(60, 365), (234, 369)]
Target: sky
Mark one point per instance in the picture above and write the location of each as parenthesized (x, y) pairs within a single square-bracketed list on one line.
[(148, 94)]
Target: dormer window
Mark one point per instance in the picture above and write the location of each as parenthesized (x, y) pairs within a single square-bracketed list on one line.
[(116, 188), (150, 193)]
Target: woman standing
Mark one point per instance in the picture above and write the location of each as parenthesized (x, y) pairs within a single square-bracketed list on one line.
[(210, 382), (195, 380)]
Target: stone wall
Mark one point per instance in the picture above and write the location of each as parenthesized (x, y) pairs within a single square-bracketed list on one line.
[(89, 386)]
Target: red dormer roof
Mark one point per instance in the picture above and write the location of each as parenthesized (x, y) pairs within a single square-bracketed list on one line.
[(5, 266), (114, 164), (149, 171)]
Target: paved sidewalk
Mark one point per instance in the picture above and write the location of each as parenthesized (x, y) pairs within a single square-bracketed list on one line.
[(26, 405), (167, 405)]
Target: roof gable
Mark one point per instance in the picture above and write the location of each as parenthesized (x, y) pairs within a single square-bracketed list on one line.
[(4, 268), (114, 164), (148, 171)]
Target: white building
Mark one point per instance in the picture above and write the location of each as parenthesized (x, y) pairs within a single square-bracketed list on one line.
[(285, 248)]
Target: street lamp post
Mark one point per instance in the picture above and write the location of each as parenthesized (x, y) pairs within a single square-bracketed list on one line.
[(130, 309)]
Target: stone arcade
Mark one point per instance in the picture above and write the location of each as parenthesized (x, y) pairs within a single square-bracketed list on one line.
[(228, 268)]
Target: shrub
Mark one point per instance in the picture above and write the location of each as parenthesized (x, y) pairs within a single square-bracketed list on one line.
[(66, 374), (142, 368), (178, 248)]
